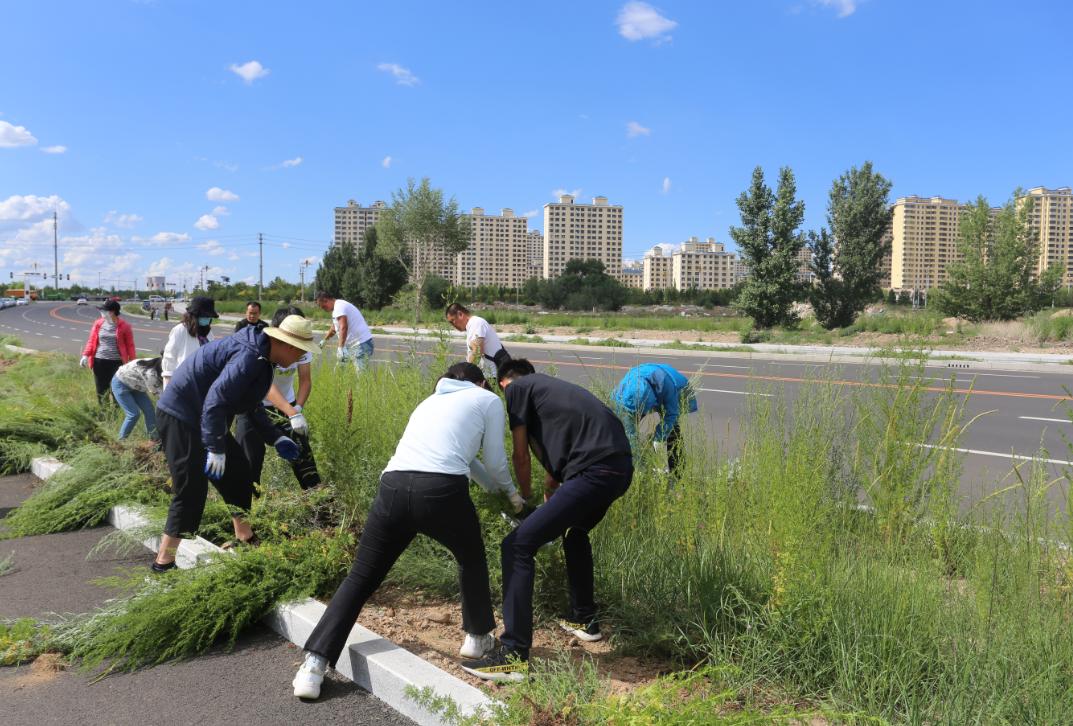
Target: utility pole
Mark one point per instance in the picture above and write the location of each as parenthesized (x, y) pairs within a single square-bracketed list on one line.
[(302, 274), (260, 266), (56, 251)]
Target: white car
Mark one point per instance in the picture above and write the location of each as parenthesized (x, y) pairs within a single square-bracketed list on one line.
[(7, 302), (82, 301), (21, 301)]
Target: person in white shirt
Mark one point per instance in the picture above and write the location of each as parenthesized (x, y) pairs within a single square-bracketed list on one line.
[(284, 408), (425, 490), (355, 338), (482, 342), (187, 336)]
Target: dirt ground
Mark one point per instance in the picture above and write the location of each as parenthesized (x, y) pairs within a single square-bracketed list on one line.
[(433, 631)]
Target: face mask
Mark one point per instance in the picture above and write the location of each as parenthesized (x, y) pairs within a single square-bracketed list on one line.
[(204, 322), (110, 317)]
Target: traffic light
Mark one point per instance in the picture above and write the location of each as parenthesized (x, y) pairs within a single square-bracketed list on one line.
[(68, 276)]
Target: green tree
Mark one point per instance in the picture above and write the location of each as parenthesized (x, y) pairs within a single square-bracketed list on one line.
[(338, 273), (847, 261), (378, 278), (996, 277), (769, 243), (583, 285), (419, 229)]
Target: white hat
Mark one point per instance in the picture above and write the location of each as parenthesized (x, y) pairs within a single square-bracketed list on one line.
[(294, 330)]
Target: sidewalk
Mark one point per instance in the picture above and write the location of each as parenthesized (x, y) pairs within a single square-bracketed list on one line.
[(250, 684)]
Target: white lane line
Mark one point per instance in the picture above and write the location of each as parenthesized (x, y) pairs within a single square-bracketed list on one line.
[(590, 357), (994, 375), (736, 393), (55, 336), (999, 454), (1040, 418)]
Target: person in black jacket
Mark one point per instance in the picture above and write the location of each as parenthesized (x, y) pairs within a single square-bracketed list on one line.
[(222, 379), (253, 317)]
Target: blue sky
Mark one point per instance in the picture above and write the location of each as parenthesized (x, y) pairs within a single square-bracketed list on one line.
[(168, 134)]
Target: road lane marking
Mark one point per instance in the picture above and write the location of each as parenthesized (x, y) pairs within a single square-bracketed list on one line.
[(1040, 418), (736, 393), (999, 454), (590, 357)]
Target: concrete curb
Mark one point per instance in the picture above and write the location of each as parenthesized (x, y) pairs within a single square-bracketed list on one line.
[(19, 349), (372, 662)]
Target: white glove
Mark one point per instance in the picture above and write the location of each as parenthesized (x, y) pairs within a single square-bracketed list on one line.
[(214, 466), (299, 425), (516, 501), (656, 445), (84, 361), (297, 408), (322, 342), (341, 354)]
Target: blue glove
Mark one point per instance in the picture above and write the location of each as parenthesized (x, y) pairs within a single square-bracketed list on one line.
[(214, 466), (286, 448)]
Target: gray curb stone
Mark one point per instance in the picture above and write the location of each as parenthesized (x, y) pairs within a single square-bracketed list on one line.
[(372, 662)]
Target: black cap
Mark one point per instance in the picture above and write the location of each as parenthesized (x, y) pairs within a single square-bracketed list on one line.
[(110, 306), (202, 307)]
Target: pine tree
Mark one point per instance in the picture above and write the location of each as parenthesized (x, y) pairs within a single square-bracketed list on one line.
[(769, 243)]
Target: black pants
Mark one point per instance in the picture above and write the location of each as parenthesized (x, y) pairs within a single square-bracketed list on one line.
[(501, 357), (190, 486), (674, 449), (253, 444), (103, 372), (571, 513), (410, 503)]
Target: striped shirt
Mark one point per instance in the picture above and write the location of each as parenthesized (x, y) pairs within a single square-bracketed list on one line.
[(107, 344)]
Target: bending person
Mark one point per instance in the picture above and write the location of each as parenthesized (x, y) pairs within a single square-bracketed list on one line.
[(284, 408), (482, 342), (425, 490), (222, 379), (655, 387), (582, 445), (134, 386)]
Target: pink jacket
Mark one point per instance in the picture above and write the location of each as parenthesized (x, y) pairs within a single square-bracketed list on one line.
[(124, 338)]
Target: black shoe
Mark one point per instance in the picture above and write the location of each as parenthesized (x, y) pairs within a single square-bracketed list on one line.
[(501, 664), (158, 568), (589, 632)]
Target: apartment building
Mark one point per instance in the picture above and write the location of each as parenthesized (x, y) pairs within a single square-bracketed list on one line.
[(1052, 219), (804, 274), (633, 275), (353, 220), (703, 266), (924, 238), (582, 231), (498, 253), (535, 253), (656, 270)]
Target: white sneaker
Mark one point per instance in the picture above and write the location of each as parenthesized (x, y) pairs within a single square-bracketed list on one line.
[(308, 679), (476, 646)]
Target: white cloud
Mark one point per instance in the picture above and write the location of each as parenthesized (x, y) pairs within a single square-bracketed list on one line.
[(57, 149), (666, 185), (556, 193), (216, 194), (249, 71), (12, 136), (286, 245), (164, 238), (531, 213), (403, 76), (212, 247), (386, 163), (220, 211), (125, 221), (232, 256), (19, 208), (640, 21), (634, 129), (844, 8), (95, 248), (291, 163), (206, 222)]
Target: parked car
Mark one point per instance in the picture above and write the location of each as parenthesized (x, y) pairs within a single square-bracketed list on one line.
[(82, 301), (7, 302), (22, 301)]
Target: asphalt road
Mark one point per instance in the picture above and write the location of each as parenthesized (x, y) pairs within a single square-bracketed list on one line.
[(1018, 411), (249, 684)]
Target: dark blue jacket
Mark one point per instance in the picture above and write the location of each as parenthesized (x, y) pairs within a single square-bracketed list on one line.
[(654, 387), (224, 378)]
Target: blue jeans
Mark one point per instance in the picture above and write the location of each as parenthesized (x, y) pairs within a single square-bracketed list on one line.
[(575, 508), (134, 403), (359, 354)]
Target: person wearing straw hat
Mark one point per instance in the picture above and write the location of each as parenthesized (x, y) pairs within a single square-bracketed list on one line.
[(222, 379)]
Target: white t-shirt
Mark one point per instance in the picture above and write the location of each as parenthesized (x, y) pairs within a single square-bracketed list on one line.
[(479, 328), (449, 428), (283, 378), (357, 332)]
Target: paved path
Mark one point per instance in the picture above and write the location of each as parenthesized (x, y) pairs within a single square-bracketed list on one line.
[(247, 685), (1019, 410)]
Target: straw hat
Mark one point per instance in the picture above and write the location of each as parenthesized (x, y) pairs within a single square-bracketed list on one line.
[(294, 330)]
